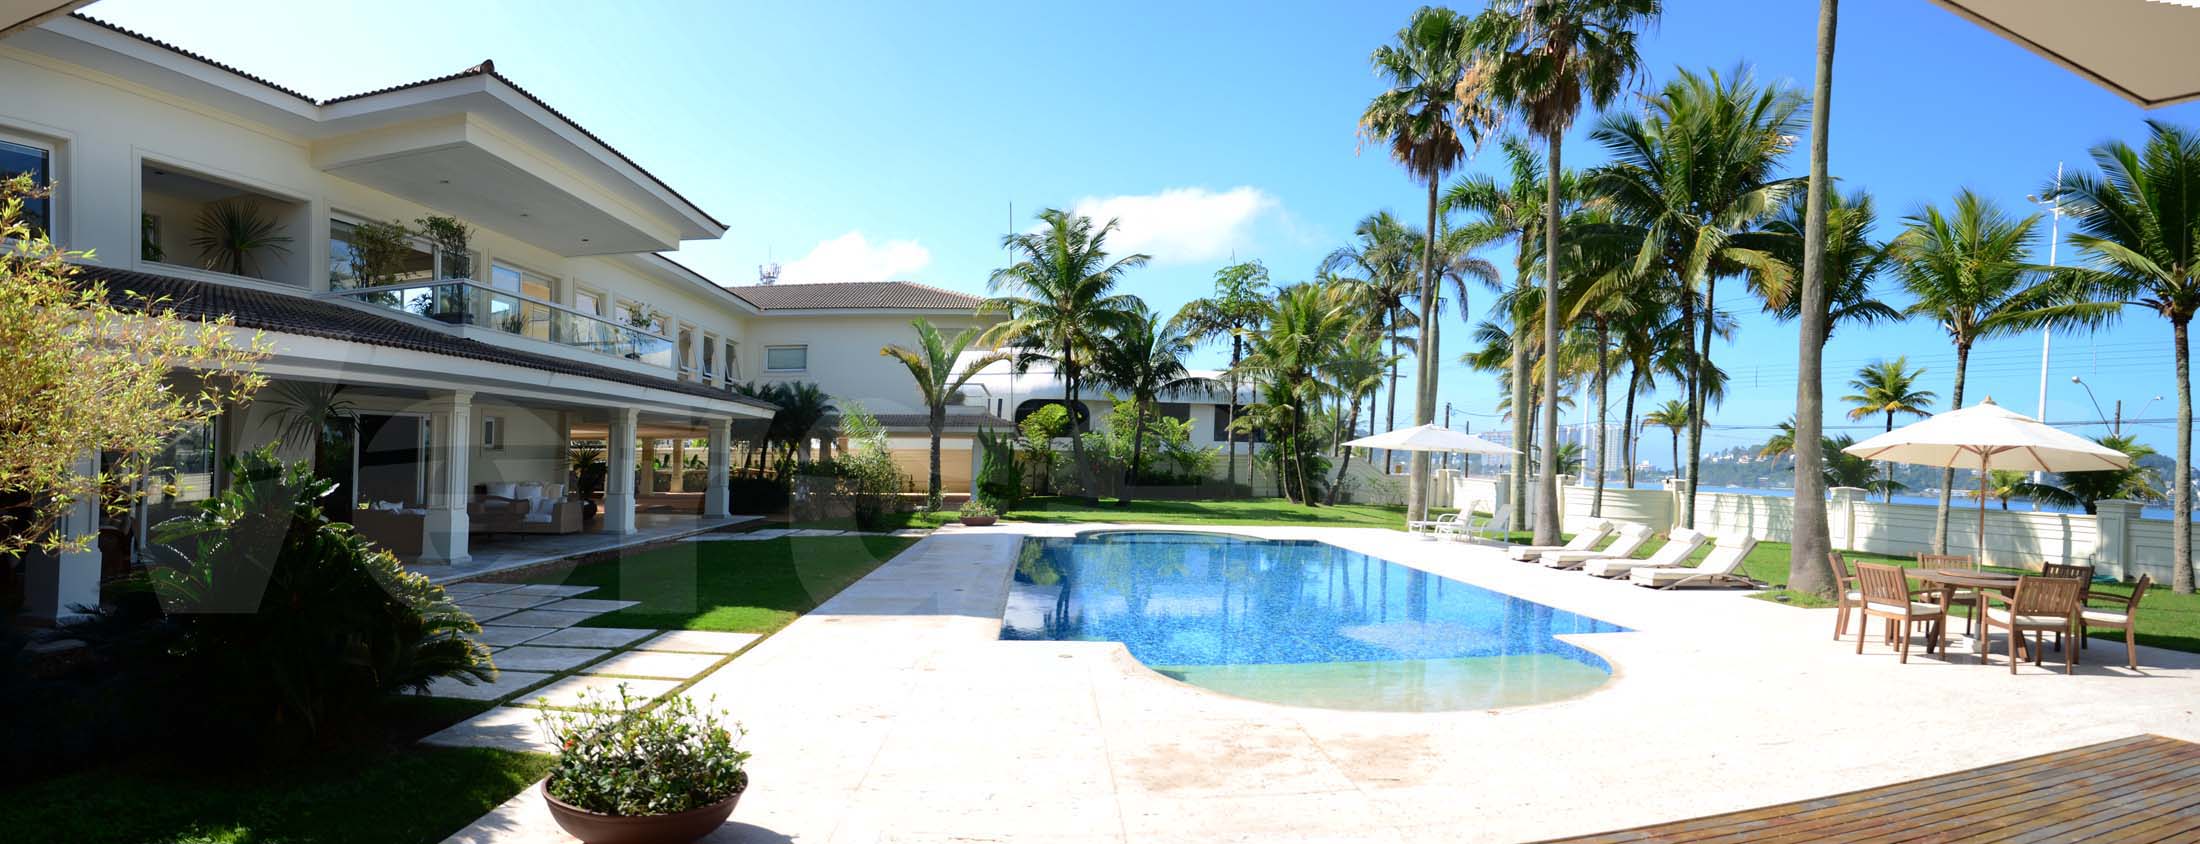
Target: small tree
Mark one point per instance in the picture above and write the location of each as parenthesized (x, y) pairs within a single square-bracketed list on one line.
[(932, 365), (85, 374), (1039, 429)]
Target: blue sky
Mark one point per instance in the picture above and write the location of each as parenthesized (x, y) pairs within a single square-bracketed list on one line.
[(853, 141)]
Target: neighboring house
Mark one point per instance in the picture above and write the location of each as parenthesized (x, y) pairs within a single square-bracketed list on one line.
[(832, 333), (475, 371), (1013, 396)]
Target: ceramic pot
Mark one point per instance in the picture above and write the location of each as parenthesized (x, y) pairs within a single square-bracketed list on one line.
[(677, 828)]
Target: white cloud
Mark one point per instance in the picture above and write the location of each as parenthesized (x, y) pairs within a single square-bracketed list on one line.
[(853, 257), (1181, 225)]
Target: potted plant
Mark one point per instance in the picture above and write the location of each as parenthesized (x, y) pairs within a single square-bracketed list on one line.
[(450, 238), (975, 513), (234, 233), (629, 775)]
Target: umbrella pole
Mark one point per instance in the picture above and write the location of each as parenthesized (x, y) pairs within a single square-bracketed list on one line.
[(1982, 508)]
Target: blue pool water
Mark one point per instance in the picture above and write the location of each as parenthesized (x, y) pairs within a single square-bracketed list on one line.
[(1300, 622)]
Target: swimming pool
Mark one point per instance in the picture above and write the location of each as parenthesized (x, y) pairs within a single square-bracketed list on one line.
[(1299, 622)]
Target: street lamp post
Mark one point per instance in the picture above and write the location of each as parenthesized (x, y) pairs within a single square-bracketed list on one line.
[(2047, 335), (2116, 422)]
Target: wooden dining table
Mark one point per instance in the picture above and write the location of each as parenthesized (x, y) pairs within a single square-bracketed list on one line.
[(1978, 582)]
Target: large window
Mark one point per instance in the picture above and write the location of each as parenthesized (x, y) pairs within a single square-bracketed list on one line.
[(786, 358), (19, 158), (710, 358), (686, 350), (733, 362), (357, 259), (534, 317)]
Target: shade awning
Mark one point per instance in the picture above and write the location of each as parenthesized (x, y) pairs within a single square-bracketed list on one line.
[(1430, 438), (2140, 49)]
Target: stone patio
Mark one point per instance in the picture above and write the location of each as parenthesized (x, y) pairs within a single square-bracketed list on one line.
[(895, 713), (508, 552)]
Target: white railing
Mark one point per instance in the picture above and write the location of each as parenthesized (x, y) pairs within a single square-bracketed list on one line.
[(468, 303)]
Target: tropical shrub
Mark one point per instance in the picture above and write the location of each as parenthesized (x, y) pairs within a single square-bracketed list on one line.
[(868, 479), (615, 760), (1039, 429), (291, 626)]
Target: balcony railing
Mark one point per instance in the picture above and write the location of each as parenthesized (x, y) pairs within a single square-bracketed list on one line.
[(461, 302)]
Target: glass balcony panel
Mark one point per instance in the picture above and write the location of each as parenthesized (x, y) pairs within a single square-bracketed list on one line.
[(459, 302)]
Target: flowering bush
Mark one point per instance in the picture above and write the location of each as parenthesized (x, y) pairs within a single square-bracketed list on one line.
[(975, 509), (614, 760)]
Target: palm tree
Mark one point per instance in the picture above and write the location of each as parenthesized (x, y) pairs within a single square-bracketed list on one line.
[(1969, 272), (1810, 538), (932, 365), (1513, 211), (2004, 484), (1305, 323), (2137, 230), (1543, 59), (2137, 482), (315, 416), (1145, 358), (1690, 178), (1240, 297), (1845, 469), (1356, 369), (1888, 388), (1421, 116), (803, 406), (1850, 262), (1060, 303), (1382, 257), (1674, 417)]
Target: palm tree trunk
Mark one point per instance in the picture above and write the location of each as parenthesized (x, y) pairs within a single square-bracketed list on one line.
[(1948, 475), (1889, 471), (1604, 339), (1546, 515), (1346, 463), (936, 420), (1391, 422), (1701, 385), (1523, 432), (1424, 404), (2180, 531), (1812, 542), (1229, 428), (1138, 453), (1076, 433), (1627, 438)]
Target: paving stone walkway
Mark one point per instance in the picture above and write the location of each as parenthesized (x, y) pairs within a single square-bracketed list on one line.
[(543, 659)]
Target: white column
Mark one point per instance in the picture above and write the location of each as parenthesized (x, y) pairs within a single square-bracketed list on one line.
[(2112, 540), (1841, 517), (56, 584), (618, 485), (679, 464), (721, 465), (450, 480)]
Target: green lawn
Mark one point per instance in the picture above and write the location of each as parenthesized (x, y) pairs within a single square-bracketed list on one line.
[(385, 791), (736, 587), (1255, 511)]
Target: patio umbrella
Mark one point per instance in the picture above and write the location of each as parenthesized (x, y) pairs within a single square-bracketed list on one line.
[(1431, 438), (1987, 436)]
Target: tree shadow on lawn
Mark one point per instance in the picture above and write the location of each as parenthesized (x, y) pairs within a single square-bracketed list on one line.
[(754, 586)]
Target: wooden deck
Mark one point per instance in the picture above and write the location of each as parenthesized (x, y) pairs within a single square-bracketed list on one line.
[(2143, 788)]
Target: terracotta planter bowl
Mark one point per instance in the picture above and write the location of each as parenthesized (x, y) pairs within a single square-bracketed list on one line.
[(679, 828), (979, 521)]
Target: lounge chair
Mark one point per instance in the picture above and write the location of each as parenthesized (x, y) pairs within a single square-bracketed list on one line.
[(1473, 528), (1719, 568), (1585, 540), (1684, 544), (1429, 528), (1631, 539)]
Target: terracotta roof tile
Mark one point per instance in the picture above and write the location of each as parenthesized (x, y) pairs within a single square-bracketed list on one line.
[(284, 313), (890, 295)]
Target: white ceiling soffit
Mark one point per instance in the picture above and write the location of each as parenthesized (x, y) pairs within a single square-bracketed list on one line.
[(2141, 49), (19, 14)]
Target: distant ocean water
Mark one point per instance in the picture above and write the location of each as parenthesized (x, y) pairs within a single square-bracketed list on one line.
[(1959, 500)]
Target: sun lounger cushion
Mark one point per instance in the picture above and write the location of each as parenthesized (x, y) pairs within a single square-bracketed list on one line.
[(2001, 616)]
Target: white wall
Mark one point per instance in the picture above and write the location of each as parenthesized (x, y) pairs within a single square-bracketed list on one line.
[(844, 356)]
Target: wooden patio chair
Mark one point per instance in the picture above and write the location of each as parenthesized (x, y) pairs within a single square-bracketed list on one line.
[(1958, 596), (2041, 605), (2084, 574), (1844, 591), (1887, 596), (2126, 618)]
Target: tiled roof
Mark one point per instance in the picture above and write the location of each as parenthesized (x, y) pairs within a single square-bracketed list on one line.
[(486, 68), (891, 295), (285, 313)]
